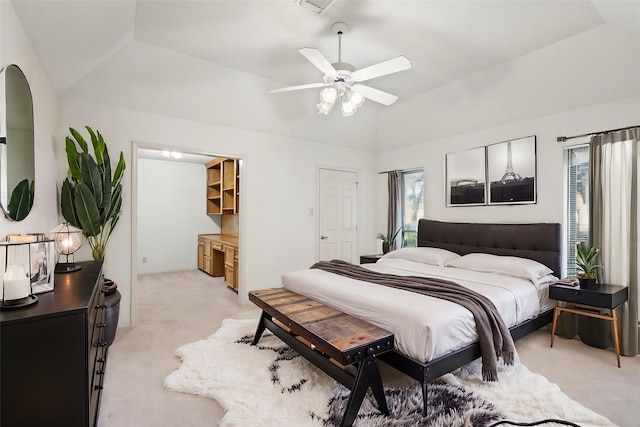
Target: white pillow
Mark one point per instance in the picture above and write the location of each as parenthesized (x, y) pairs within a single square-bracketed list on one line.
[(545, 280), (505, 265), (431, 256)]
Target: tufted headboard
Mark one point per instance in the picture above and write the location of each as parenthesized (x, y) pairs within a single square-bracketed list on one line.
[(537, 241)]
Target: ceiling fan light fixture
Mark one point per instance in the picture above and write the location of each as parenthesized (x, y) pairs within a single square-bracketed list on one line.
[(348, 109), (329, 95), (356, 99), (325, 107)]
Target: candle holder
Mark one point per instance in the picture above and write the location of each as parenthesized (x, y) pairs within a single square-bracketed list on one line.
[(16, 263)]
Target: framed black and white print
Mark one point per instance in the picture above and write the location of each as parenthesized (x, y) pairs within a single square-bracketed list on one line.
[(465, 178), (511, 171)]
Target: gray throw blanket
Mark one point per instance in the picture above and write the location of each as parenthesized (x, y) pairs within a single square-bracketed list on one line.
[(493, 335)]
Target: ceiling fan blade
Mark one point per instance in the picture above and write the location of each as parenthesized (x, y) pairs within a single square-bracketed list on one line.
[(290, 88), (374, 94), (318, 60), (381, 69)]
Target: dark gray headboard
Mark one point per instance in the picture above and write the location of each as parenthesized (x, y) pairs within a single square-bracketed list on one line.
[(538, 241)]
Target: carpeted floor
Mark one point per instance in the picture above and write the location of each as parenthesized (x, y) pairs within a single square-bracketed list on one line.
[(175, 309), (251, 382)]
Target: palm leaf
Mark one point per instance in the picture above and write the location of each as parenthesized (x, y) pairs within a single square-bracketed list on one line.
[(98, 145), (116, 202), (117, 176), (80, 140), (107, 186), (67, 205), (72, 159), (91, 177), (87, 210)]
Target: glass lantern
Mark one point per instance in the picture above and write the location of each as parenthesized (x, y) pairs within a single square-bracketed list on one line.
[(68, 240), (16, 275)]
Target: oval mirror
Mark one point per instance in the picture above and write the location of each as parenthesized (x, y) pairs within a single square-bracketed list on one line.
[(17, 149)]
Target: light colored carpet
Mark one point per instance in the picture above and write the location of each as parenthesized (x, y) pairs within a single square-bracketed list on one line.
[(179, 308), (251, 381)]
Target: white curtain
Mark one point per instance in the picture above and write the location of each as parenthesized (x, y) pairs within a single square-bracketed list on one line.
[(615, 220)]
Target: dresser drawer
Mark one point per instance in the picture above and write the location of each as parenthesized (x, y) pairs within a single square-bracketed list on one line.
[(99, 366), (97, 384), (605, 296), (229, 255), (96, 315)]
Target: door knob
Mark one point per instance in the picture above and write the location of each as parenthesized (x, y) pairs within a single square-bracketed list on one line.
[(324, 237)]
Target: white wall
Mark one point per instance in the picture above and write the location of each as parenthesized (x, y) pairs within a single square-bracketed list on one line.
[(550, 171), (171, 214), (15, 48), (591, 68), (586, 83), (277, 233)]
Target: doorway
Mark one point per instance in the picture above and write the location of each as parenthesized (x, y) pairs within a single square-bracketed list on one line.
[(168, 212), (337, 215)]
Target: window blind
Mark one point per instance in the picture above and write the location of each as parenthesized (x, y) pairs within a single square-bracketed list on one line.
[(577, 202)]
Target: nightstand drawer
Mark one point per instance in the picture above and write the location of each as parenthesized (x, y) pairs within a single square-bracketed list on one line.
[(605, 296)]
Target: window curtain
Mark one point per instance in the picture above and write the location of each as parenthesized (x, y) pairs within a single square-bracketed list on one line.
[(394, 219), (614, 222)]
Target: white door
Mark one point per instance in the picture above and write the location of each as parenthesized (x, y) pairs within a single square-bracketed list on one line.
[(337, 214)]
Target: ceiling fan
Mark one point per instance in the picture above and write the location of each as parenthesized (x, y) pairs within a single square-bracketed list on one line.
[(343, 82)]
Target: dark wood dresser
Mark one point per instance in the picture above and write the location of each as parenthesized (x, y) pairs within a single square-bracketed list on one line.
[(53, 354)]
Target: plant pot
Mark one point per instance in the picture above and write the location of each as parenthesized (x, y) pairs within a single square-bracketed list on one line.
[(112, 310), (385, 247), (587, 283)]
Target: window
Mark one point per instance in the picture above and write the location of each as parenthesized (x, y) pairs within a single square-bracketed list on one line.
[(412, 205), (577, 202)]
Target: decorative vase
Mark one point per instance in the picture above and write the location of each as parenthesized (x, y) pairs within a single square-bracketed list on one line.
[(385, 247), (587, 283)]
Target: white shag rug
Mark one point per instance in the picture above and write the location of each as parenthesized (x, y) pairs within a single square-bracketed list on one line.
[(270, 385)]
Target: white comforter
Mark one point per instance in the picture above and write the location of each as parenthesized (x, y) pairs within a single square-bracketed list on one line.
[(424, 327)]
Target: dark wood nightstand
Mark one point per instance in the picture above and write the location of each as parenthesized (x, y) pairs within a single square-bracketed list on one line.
[(589, 302), (370, 259)]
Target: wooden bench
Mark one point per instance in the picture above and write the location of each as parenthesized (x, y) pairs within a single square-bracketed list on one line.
[(329, 339)]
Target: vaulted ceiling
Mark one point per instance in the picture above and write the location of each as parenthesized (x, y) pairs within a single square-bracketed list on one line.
[(213, 61)]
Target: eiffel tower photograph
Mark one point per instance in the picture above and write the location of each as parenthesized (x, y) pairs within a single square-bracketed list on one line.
[(511, 168)]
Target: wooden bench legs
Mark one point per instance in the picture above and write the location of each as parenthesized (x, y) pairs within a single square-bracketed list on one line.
[(260, 329), (367, 374)]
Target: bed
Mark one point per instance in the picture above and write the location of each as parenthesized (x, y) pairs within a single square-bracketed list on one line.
[(439, 336)]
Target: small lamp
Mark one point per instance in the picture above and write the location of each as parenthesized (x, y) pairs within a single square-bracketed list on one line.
[(16, 281), (68, 240)]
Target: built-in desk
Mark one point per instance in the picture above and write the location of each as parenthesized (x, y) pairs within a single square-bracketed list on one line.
[(218, 256)]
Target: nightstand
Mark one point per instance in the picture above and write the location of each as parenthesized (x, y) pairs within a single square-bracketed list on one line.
[(370, 259), (589, 302)]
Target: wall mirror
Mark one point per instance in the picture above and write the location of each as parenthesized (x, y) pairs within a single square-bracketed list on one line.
[(17, 148)]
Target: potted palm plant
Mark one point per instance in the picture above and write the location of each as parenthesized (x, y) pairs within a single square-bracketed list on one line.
[(587, 262), (91, 196), (387, 241)]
